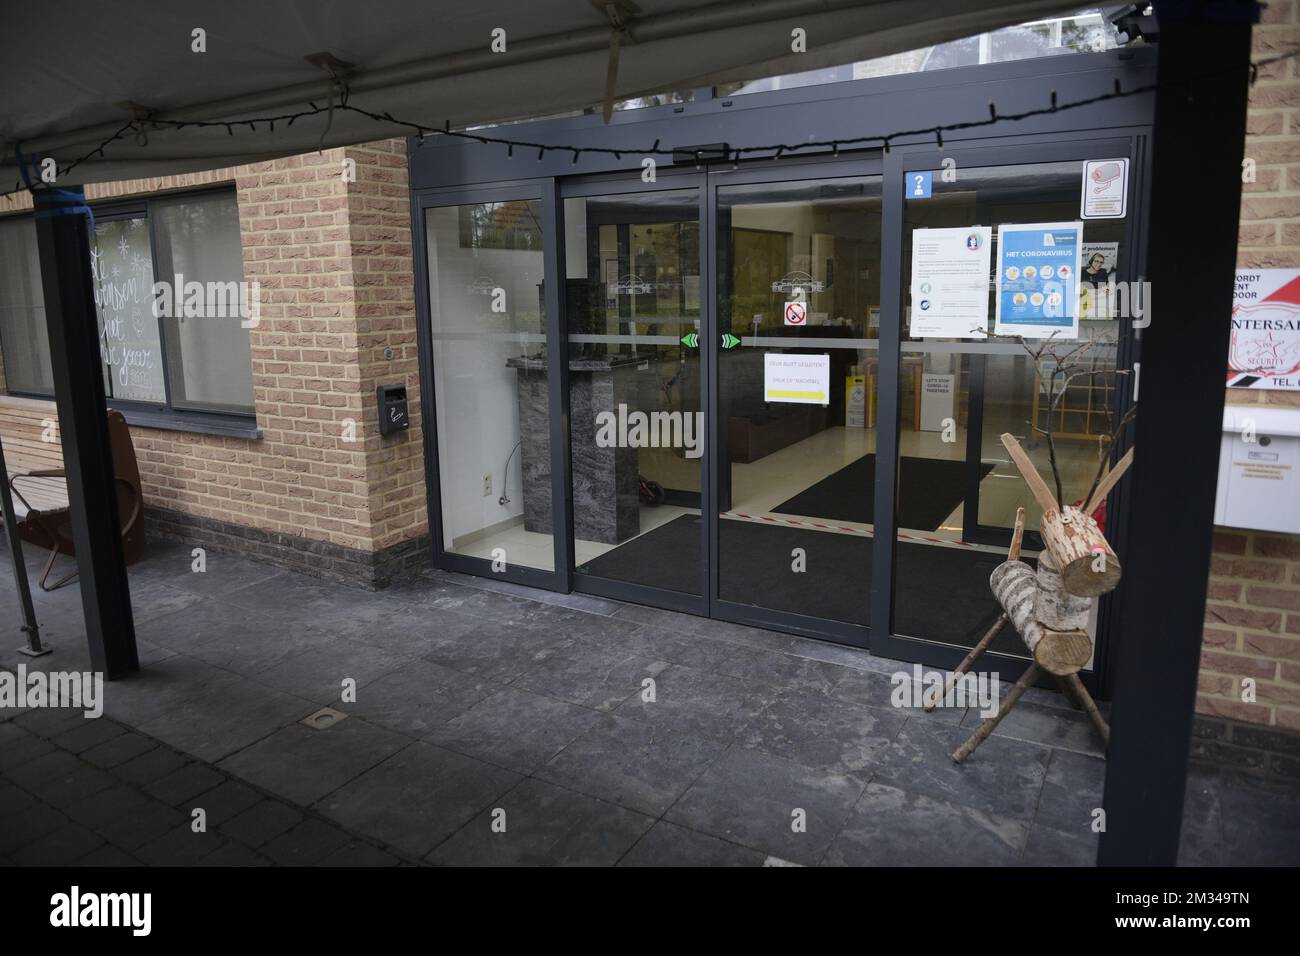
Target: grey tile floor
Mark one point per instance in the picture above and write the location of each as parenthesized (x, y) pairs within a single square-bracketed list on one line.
[(494, 724)]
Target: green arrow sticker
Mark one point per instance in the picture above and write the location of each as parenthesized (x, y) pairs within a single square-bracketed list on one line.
[(691, 340), (729, 341)]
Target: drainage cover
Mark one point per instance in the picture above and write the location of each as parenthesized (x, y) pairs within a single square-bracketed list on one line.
[(325, 717)]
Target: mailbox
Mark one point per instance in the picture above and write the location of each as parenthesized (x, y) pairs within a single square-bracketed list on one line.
[(1258, 460), (393, 413)]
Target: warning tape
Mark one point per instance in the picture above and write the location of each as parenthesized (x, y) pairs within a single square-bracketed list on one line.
[(849, 529)]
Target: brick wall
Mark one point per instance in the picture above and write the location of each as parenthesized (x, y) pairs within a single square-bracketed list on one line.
[(1252, 612), (333, 258)]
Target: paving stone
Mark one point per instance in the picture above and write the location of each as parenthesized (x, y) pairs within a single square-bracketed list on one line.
[(50, 766), (637, 764), (1048, 847), (302, 764), (115, 752), (107, 855), (751, 798), (419, 697), (699, 703), (183, 786), (544, 825), (359, 854), (306, 844), (68, 788), (428, 794), (28, 825), (1004, 777), (1071, 792), (180, 846), (1044, 724), (235, 855), (261, 823), (150, 766), (515, 729), (89, 734), (51, 721), (892, 827), (58, 848), (667, 844), (223, 802), (596, 677), (227, 717), (124, 817), (19, 745)]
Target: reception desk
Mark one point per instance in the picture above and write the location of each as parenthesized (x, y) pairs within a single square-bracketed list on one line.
[(606, 506)]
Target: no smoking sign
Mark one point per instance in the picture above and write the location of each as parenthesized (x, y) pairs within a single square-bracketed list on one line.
[(796, 313)]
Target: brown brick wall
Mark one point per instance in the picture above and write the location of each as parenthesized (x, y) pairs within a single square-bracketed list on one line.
[(1252, 612), (333, 258)]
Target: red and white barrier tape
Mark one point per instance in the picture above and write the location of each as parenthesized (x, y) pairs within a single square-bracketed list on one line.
[(846, 529)]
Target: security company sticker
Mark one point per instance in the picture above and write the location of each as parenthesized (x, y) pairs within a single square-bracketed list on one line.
[(1105, 189), (1264, 349)]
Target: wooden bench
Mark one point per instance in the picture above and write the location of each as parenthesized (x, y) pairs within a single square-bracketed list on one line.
[(23, 427)]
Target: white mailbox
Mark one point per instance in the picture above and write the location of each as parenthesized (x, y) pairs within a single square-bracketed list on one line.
[(1258, 460)]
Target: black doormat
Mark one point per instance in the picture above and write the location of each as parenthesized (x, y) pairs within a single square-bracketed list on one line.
[(929, 490), (943, 593)]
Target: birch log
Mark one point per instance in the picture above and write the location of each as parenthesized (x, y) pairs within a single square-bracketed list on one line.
[(1054, 606), (1015, 585), (1088, 565)]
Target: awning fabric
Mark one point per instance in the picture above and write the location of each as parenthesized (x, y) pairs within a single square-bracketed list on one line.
[(69, 83)]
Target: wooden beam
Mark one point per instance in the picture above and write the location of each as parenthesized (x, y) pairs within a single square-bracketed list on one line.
[(1037, 487)]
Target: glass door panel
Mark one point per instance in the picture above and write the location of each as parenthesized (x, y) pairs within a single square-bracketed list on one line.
[(798, 317), (958, 490), (632, 293), (490, 381)]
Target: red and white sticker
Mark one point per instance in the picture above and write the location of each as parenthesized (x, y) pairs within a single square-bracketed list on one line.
[(796, 313)]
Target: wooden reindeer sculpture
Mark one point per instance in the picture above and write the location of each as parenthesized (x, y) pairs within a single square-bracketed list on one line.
[(1049, 607)]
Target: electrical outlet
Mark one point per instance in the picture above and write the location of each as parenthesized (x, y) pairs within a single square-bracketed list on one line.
[(487, 485)]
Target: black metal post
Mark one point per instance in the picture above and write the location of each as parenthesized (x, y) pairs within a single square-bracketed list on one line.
[(1200, 127), (64, 245), (34, 647)]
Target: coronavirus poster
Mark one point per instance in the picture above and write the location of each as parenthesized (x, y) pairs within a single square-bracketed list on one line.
[(1038, 280), (1264, 349)]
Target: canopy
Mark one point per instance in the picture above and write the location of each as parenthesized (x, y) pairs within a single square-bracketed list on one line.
[(67, 90)]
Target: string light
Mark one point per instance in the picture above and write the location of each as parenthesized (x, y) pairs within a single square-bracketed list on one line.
[(774, 151)]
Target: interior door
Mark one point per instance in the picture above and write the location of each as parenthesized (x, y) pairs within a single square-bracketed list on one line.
[(954, 392)]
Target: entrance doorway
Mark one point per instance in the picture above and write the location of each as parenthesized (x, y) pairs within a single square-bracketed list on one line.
[(706, 393)]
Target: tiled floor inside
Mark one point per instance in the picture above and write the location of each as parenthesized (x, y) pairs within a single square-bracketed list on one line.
[(494, 724)]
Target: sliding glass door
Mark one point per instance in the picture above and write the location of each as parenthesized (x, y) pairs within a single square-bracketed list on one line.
[(635, 317), (798, 311)]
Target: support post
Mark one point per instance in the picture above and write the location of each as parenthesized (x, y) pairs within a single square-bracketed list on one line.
[(34, 647), (64, 244), (1203, 77)]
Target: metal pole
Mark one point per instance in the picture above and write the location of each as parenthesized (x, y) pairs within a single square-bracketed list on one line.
[(1203, 78), (30, 627), (63, 240)]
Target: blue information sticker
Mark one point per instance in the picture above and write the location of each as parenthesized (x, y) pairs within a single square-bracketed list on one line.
[(917, 185)]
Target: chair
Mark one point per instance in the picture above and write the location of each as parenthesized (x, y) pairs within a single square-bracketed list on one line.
[(52, 528)]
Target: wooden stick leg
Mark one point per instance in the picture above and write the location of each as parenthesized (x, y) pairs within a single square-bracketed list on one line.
[(1067, 691), (988, 725), (1090, 707), (968, 661)]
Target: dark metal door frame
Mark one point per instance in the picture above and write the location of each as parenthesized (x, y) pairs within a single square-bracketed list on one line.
[(1066, 146)]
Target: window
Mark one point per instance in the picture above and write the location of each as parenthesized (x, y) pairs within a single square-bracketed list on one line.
[(191, 354), (23, 344)]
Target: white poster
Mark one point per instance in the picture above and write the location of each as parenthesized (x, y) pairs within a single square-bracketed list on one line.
[(1095, 291), (1105, 189), (797, 379), (1264, 350), (938, 393), (950, 282)]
